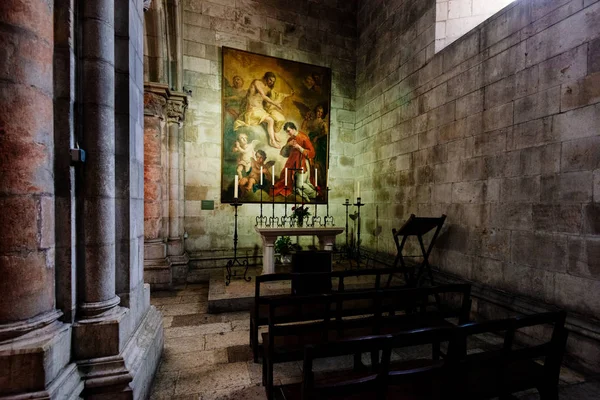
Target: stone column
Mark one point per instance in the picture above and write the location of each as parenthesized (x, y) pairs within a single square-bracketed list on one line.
[(34, 345), (157, 268), (97, 290), (176, 107)]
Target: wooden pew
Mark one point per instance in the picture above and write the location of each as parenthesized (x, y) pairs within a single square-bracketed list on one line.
[(259, 311), (464, 374), (510, 368), (327, 319)]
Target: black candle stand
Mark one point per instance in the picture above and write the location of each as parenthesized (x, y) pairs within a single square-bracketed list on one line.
[(273, 220), (284, 218), (329, 219), (356, 255), (348, 249), (232, 263), (260, 220)]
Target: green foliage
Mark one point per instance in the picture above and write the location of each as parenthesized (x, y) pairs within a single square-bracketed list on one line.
[(283, 245)]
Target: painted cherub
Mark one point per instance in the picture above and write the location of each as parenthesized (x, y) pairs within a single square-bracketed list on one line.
[(259, 160), (245, 152)]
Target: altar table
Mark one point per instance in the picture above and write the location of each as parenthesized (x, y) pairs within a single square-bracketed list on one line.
[(326, 237)]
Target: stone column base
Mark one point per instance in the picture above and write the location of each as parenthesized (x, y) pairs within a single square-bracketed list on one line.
[(157, 266), (128, 374), (36, 365)]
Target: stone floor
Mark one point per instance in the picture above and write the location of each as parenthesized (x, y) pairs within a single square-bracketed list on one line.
[(206, 356)]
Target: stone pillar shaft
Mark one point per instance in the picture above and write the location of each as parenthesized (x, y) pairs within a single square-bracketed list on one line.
[(27, 219), (98, 178)]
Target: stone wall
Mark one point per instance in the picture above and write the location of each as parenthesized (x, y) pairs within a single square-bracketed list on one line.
[(500, 132), (316, 32), (454, 18)]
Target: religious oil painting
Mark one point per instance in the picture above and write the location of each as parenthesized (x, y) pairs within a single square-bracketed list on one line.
[(275, 125)]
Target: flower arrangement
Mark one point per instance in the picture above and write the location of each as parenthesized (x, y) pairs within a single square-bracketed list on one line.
[(299, 212), (283, 245)]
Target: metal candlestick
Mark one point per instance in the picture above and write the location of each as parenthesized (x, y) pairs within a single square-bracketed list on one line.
[(357, 255), (231, 263), (329, 219), (316, 220), (273, 220), (261, 219), (347, 204), (285, 217)]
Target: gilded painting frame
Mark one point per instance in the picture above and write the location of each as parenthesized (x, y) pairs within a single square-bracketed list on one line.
[(261, 96)]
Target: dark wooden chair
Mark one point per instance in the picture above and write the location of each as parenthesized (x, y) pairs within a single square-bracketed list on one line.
[(417, 226)]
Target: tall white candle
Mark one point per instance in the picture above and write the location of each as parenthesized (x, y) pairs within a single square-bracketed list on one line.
[(357, 189), (316, 184), (261, 178), (286, 177), (302, 177), (273, 175), (235, 187)]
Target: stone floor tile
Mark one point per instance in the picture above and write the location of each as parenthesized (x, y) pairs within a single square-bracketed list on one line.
[(182, 331), (164, 301), (244, 393), (235, 316), (163, 386), (196, 319), (227, 339), (167, 322), (194, 359), (162, 293), (210, 379), (193, 297), (241, 325), (239, 353), (183, 309), (255, 371), (186, 344)]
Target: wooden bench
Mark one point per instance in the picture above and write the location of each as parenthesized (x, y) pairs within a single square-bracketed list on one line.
[(511, 368), (464, 374), (259, 312), (331, 317)]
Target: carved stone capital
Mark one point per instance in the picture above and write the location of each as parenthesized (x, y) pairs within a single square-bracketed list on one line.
[(176, 106), (155, 99)]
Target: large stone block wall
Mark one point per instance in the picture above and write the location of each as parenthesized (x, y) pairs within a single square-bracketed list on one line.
[(316, 32), (454, 18), (500, 131)]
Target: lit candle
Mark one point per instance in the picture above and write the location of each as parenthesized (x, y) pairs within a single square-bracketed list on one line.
[(286, 176), (235, 187), (316, 184), (273, 175), (261, 178), (302, 177), (358, 189)]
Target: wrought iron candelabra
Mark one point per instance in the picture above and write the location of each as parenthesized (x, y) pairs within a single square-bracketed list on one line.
[(357, 255), (273, 220), (328, 218), (260, 220), (232, 263)]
